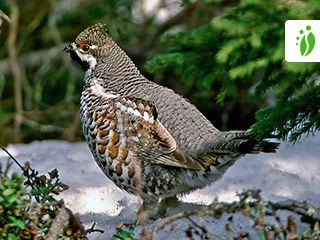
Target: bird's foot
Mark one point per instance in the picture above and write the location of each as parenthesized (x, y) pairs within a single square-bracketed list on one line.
[(150, 211)]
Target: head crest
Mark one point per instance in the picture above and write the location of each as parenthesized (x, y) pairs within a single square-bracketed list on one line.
[(98, 28), (97, 31)]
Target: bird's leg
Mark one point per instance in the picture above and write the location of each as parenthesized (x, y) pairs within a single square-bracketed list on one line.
[(169, 202), (155, 210), (147, 211)]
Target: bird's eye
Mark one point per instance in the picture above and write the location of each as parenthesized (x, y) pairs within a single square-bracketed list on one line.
[(85, 46)]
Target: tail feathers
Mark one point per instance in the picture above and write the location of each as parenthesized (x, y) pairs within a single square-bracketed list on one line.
[(244, 142), (231, 146), (253, 146)]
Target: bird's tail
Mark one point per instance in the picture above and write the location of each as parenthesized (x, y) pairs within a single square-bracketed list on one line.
[(231, 145), (244, 142)]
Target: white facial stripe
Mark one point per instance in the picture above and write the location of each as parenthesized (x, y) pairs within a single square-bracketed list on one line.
[(87, 58)]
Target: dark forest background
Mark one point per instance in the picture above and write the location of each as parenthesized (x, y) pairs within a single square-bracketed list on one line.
[(226, 57)]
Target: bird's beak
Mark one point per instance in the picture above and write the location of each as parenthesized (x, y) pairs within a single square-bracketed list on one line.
[(69, 48)]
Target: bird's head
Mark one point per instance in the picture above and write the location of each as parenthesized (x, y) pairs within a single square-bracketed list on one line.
[(90, 46)]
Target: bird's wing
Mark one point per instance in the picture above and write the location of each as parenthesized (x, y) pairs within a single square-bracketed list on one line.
[(137, 120)]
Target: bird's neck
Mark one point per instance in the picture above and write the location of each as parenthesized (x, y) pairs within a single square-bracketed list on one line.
[(116, 72)]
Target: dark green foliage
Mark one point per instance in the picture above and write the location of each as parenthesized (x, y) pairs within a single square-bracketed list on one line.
[(43, 188), (23, 218), (240, 55), (13, 200)]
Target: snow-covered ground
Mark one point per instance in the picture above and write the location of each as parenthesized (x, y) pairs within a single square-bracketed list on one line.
[(291, 173)]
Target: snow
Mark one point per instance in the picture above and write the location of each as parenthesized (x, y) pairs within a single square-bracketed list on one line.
[(291, 173)]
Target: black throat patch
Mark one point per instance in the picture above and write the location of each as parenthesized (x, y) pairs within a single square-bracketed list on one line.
[(85, 65)]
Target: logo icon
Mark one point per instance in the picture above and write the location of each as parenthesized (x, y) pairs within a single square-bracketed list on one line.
[(306, 42), (302, 41)]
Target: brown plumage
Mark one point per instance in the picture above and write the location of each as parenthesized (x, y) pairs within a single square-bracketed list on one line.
[(144, 134)]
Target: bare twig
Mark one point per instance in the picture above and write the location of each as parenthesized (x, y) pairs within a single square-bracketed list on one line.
[(4, 16), (12, 157), (203, 229), (35, 58), (56, 37), (308, 213), (142, 10), (43, 128), (160, 224), (15, 68), (178, 18), (24, 169), (93, 229)]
